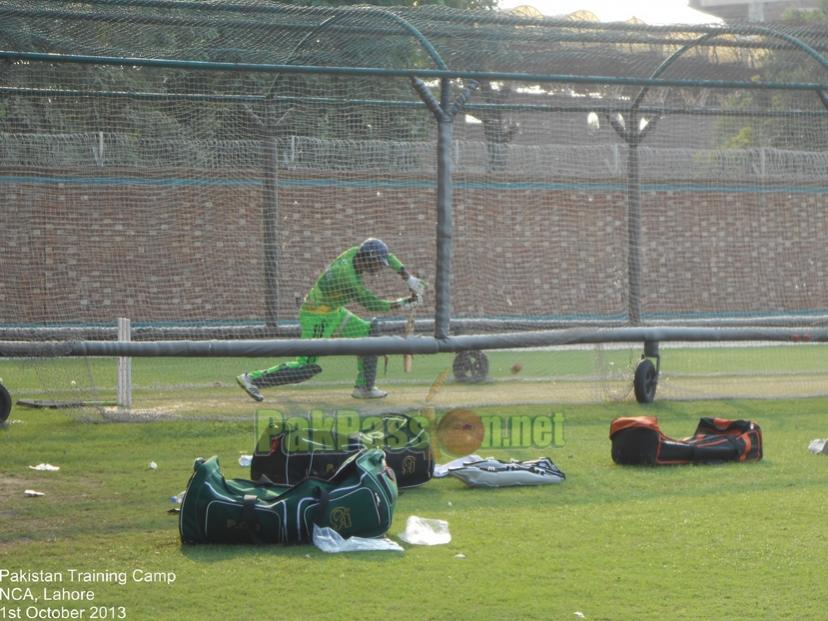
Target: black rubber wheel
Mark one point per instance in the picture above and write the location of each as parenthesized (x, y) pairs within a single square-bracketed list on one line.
[(646, 381), (5, 403), (471, 367)]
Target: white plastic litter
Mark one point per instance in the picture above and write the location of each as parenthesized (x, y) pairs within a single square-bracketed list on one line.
[(495, 473), (33, 494), (245, 461), (328, 540), (442, 470), (45, 468), (422, 531), (818, 446)]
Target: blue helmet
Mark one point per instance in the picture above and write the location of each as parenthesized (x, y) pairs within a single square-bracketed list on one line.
[(373, 251)]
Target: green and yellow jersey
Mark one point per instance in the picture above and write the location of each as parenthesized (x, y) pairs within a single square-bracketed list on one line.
[(341, 284)]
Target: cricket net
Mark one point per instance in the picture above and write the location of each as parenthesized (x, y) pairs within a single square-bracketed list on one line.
[(196, 168)]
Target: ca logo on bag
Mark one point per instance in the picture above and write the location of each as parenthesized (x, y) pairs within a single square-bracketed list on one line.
[(341, 518), (409, 465)]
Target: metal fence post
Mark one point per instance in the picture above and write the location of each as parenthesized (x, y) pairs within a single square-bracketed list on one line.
[(124, 366)]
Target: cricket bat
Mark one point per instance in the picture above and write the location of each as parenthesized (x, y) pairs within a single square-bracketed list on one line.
[(408, 359)]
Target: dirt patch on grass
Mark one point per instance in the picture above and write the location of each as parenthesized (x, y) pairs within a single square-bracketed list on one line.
[(531, 392), (233, 406), (14, 485)]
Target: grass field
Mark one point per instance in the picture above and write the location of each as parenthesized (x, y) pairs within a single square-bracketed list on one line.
[(734, 541)]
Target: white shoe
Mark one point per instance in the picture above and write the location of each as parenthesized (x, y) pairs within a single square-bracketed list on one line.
[(363, 392), (249, 387)]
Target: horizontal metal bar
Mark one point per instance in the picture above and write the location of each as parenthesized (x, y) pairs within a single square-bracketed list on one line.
[(406, 73), (75, 92), (586, 105), (290, 329), (401, 345)]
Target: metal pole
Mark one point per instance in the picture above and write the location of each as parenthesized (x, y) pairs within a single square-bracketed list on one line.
[(634, 231), (445, 227), (380, 345), (270, 217), (124, 366), (200, 65)]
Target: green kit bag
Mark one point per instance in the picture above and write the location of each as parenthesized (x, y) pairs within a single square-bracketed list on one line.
[(357, 500)]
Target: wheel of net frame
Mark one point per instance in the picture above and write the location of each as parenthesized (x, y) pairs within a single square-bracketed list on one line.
[(5, 403), (471, 366), (645, 380)]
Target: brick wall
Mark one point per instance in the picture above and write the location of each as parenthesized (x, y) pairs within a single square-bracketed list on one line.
[(167, 252)]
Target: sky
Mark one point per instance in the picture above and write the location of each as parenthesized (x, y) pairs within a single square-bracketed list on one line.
[(651, 12)]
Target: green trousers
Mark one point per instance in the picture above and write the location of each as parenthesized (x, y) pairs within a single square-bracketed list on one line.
[(338, 323)]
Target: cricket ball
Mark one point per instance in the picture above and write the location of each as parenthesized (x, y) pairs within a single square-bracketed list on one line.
[(517, 368), (460, 432)]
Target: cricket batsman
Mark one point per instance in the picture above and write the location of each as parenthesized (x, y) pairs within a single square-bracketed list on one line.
[(323, 315)]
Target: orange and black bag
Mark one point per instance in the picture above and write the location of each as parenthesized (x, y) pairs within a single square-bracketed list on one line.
[(638, 440)]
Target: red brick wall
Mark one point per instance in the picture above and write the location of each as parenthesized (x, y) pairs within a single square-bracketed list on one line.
[(165, 252)]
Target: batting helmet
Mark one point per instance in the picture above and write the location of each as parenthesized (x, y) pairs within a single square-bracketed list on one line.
[(373, 251)]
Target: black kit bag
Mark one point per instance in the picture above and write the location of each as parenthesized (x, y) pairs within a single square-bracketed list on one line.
[(287, 454), (638, 440)]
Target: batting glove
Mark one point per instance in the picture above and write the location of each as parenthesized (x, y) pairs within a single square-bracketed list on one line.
[(416, 285)]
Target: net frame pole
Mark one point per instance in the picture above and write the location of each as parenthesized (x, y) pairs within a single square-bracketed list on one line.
[(270, 217), (444, 112), (445, 216), (392, 345), (633, 229), (630, 133), (124, 366)]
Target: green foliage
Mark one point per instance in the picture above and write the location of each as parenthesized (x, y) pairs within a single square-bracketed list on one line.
[(744, 138), (786, 66), (805, 16)]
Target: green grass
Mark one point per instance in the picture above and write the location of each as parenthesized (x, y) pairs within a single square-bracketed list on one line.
[(738, 541)]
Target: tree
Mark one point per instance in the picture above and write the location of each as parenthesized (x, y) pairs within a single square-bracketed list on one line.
[(218, 39), (786, 129)]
